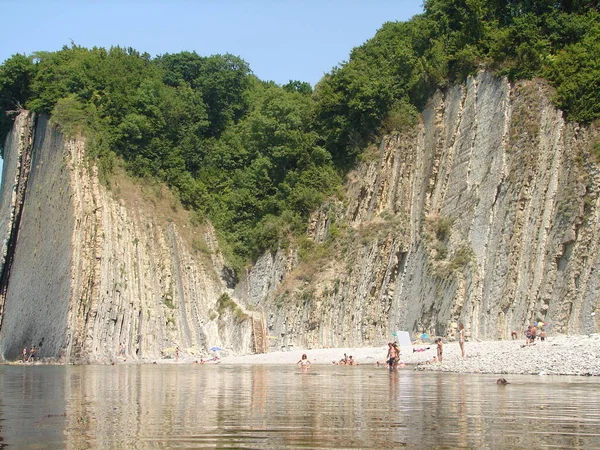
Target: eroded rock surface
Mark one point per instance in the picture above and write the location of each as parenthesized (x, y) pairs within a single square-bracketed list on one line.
[(94, 270), (487, 213)]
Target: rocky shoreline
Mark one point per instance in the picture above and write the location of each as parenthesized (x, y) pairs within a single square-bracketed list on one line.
[(560, 355), (557, 355)]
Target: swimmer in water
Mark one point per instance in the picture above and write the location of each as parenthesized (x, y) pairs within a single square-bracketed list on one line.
[(304, 363)]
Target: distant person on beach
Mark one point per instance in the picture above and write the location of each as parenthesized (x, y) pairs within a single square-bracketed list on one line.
[(513, 335), (461, 338), (177, 354), (24, 354), (440, 350), (533, 333), (393, 355), (421, 349), (528, 335), (351, 361), (542, 334), (342, 362), (31, 354), (304, 363)]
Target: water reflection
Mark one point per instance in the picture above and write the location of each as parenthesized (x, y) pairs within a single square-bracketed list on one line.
[(157, 406)]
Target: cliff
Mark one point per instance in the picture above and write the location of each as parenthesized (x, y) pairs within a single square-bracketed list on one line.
[(87, 269), (486, 213)]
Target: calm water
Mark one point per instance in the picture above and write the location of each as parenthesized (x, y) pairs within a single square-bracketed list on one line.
[(158, 406)]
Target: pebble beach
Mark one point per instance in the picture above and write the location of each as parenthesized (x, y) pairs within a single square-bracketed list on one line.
[(557, 355)]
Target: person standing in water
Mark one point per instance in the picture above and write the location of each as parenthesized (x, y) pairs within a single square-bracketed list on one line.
[(461, 338), (393, 355), (304, 363)]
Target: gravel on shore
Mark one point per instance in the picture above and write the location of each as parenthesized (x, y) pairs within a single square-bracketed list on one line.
[(557, 355)]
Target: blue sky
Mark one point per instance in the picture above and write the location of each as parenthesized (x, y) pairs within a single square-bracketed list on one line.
[(281, 40)]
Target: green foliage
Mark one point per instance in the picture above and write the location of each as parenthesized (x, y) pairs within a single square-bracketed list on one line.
[(406, 61), (402, 117), (16, 74), (225, 303), (241, 152), (576, 73), (70, 115), (256, 158), (461, 258)]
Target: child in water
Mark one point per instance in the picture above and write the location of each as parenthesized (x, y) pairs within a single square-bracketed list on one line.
[(304, 363)]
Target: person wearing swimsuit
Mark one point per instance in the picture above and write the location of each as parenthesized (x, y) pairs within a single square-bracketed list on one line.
[(304, 363), (461, 338), (440, 344)]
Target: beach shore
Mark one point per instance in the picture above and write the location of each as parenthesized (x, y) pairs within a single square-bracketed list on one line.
[(557, 355)]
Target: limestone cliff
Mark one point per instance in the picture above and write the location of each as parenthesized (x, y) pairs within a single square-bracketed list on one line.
[(87, 269), (487, 213)]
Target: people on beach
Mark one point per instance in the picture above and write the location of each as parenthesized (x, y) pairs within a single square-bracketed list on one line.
[(421, 349), (393, 355), (304, 362), (542, 334), (342, 362), (177, 354), (528, 335), (513, 335), (440, 346), (31, 354), (24, 354), (461, 338), (351, 361)]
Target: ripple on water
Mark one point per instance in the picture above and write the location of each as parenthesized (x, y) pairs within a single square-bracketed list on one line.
[(179, 406)]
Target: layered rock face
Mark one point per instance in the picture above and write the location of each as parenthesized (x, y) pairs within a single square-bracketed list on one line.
[(85, 274), (486, 214)]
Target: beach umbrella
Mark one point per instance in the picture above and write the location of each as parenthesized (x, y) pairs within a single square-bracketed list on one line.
[(425, 336), (215, 349)]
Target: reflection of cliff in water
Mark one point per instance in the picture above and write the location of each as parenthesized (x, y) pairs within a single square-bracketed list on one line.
[(133, 406)]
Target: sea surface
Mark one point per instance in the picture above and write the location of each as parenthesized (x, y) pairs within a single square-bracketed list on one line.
[(278, 407)]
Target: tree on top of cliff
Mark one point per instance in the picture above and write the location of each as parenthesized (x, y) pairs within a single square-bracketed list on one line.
[(16, 74), (256, 157), (407, 61)]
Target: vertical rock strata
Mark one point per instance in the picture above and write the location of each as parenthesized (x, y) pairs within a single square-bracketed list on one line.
[(91, 273), (487, 214)]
